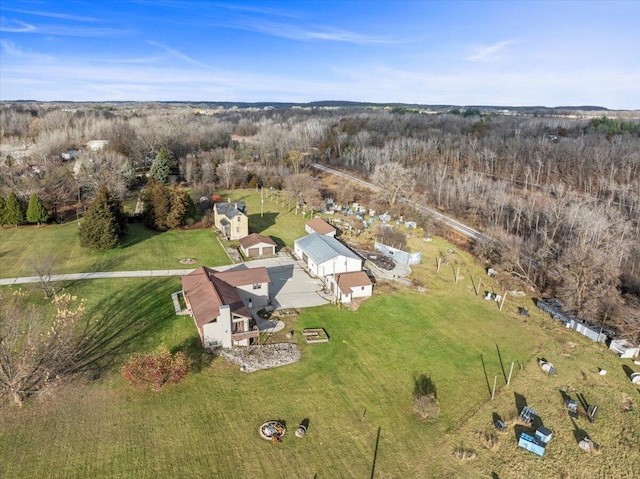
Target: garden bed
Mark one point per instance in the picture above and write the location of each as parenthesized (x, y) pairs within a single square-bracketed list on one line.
[(315, 335)]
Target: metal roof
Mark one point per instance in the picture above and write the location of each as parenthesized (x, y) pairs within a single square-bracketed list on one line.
[(321, 248)]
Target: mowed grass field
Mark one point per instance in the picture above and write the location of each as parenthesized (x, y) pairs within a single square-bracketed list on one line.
[(143, 248), (360, 381), (357, 384)]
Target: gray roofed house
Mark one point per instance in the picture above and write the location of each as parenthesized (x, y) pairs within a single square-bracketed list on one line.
[(326, 256)]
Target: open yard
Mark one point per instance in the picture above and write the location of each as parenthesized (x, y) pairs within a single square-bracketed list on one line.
[(350, 388), (142, 249)]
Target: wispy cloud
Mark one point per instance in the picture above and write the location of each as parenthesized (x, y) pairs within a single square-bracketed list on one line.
[(10, 49), (262, 10), (15, 26), (292, 32), (489, 53), (172, 52), (62, 16)]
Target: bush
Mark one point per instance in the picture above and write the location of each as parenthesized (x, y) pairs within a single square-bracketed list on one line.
[(154, 370), (425, 395)]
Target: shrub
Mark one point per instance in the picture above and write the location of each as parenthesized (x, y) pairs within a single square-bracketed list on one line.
[(425, 397), (154, 370)]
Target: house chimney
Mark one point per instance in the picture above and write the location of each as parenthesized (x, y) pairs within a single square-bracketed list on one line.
[(226, 325)]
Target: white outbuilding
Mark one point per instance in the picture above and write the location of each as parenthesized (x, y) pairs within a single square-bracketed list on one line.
[(326, 256)]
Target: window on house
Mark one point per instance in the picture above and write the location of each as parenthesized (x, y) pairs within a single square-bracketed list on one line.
[(257, 286), (361, 288)]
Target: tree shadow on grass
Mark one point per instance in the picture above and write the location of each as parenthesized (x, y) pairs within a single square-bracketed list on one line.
[(259, 223), (120, 323), (196, 355), (138, 233)]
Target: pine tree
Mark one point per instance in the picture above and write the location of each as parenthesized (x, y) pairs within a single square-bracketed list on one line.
[(3, 204), (36, 212), (166, 208), (105, 224), (177, 217), (159, 170), (157, 205), (13, 211)]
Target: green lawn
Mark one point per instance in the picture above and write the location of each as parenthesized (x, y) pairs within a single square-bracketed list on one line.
[(142, 249), (359, 381), (207, 427)]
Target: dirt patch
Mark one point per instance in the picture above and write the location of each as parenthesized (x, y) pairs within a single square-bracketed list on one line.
[(188, 261)]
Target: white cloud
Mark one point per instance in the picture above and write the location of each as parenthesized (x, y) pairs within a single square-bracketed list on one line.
[(11, 50), (292, 32), (489, 53), (176, 54), (63, 16), (15, 26)]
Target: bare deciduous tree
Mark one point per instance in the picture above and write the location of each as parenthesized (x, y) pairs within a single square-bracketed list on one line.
[(394, 181), (35, 351)]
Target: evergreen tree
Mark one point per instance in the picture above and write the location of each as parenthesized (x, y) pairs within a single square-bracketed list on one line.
[(160, 167), (180, 206), (157, 205), (13, 211), (36, 212), (3, 204), (105, 224), (166, 208)]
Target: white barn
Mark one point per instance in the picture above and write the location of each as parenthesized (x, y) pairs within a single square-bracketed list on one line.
[(326, 256)]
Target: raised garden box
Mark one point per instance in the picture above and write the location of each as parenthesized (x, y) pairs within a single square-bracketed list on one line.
[(315, 335)]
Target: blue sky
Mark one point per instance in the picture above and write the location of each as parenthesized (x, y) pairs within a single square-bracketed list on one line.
[(429, 52)]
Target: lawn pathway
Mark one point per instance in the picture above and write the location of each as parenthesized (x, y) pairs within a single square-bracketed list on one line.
[(98, 275)]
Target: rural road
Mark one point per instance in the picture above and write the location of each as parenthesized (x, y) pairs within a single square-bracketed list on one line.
[(453, 224)]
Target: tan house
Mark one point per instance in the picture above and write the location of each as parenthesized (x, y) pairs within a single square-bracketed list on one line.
[(219, 302), (231, 219), (257, 245), (320, 226), (346, 286)]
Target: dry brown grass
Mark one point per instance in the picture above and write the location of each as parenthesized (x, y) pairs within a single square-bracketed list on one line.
[(488, 440)]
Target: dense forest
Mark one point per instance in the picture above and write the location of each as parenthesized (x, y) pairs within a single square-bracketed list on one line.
[(558, 194)]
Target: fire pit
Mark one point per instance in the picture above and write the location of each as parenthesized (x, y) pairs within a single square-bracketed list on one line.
[(272, 431)]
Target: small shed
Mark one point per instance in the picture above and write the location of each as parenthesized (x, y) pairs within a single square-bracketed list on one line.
[(320, 226), (531, 444), (543, 434)]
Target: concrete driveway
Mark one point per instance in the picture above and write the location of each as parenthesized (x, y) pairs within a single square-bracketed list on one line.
[(291, 286)]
